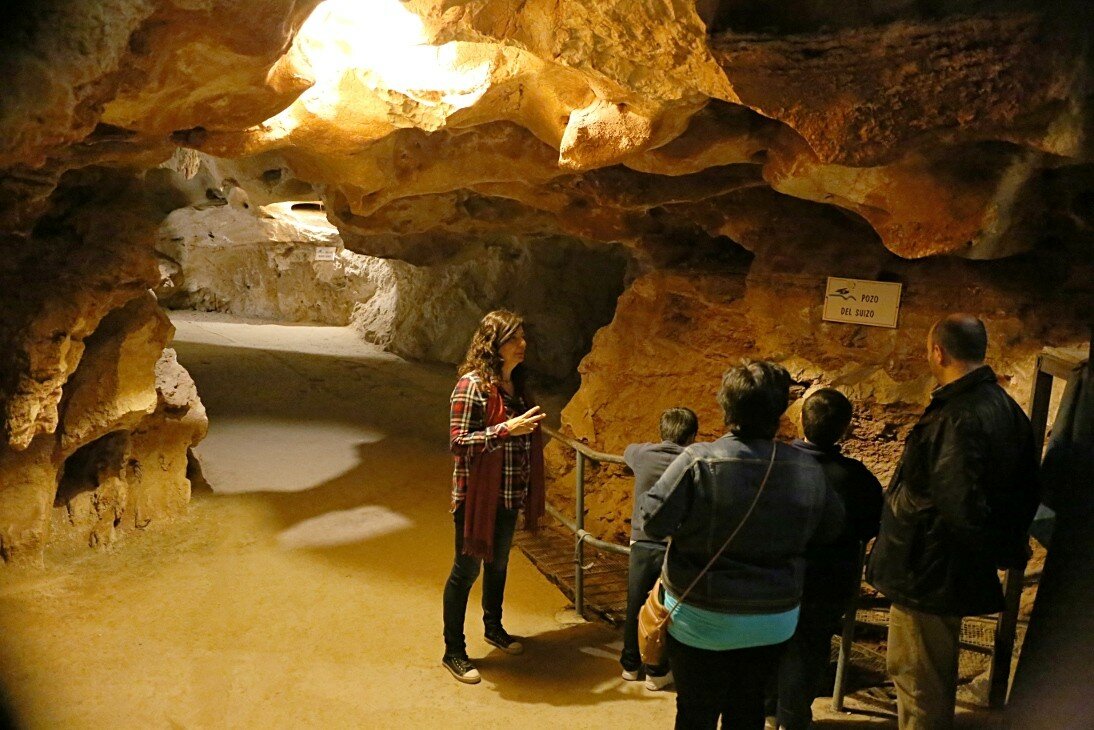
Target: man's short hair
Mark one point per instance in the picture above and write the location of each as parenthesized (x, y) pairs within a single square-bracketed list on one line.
[(826, 414), (679, 425), (753, 396), (962, 336)]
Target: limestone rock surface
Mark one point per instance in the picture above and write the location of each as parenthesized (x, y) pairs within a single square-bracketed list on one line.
[(867, 108), (678, 328), (161, 446), (258, 262), (496, 152), (261, 262), (28, 481), (87, 258), (564, 289), (129, 477), (936, 130), (861, 96), (114, 385), (79, 343)]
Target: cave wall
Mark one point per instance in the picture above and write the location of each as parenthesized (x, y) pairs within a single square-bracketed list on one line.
[(679, 327), (260, 262), (95, 428), (83, 385)]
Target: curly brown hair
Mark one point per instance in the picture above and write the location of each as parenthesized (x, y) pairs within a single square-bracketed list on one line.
[(482, 356)]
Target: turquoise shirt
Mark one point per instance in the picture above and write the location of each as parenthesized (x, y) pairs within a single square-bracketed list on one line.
[(716, 631)]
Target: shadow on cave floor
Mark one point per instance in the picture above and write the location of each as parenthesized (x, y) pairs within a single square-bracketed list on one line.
[(349, 455)]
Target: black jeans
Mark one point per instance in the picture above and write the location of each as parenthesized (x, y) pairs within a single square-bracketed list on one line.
[(645, 565), (465, 569), (726, 684), (803, 664)]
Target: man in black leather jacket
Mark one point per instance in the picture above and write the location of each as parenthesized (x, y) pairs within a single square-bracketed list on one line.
[(957, 509)]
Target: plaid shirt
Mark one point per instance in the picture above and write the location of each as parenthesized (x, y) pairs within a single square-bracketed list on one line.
[(469, 436)]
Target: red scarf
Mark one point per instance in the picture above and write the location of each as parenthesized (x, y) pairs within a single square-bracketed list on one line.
[(484, 484)]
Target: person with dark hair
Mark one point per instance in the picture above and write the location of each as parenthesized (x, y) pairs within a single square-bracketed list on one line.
[(648, 461), (498, 449), (740, 512), (958, 508), (832, 570)]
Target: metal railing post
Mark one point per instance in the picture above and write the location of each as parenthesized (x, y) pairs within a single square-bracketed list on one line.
[(847, 638), (1006, 628), (579, 547)]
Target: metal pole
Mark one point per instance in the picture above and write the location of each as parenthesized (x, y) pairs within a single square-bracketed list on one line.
[(846, 639), (1005, 629), (579, 548)]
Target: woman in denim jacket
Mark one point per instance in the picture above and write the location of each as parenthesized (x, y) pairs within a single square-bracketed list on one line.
[(726, 637)]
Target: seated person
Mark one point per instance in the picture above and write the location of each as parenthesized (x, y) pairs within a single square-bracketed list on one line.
[(832, 571), (648, 462)]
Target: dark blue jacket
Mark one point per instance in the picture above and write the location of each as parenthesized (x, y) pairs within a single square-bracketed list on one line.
[(832, 570), (702, 498), (648, 462)]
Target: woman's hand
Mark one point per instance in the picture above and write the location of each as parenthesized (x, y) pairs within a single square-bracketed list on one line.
[(525, 423)]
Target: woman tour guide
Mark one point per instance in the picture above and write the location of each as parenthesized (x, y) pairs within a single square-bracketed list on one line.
[(498, 450)]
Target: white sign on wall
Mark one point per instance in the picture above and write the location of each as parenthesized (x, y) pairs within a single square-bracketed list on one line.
[(859, 301), (326, 253)]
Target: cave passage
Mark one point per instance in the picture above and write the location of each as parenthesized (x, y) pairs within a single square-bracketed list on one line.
[(248, 527), (304, 589)]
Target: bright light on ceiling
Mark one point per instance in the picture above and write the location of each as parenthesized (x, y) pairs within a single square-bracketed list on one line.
[(373, 60)]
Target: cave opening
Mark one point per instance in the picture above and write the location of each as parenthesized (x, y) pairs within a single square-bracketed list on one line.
[(92, 493)]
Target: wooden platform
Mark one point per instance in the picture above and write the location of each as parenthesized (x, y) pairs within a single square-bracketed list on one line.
[(605, 573)]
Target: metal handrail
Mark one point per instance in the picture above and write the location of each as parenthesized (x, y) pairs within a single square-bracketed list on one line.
[(582, 448), (581, 536), (588, 537)]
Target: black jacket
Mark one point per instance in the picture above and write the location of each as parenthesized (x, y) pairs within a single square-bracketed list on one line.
[(832, 570), (702, 498), (960, 503)]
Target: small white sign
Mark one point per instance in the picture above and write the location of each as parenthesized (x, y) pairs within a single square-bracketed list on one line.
[(326, 253), (859, 301)]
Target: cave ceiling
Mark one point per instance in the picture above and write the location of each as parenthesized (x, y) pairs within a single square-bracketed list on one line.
[(423, 124)]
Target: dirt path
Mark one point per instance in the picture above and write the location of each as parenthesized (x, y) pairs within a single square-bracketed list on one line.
[(306, 590)]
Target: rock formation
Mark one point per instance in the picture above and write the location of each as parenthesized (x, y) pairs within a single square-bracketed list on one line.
[(738, 151), (677, 329), (263, 262)]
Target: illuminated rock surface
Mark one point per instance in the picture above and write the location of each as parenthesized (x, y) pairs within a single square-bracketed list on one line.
[(739, 152), (262, 263)]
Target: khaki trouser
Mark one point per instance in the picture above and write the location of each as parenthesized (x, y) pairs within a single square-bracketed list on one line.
[(922, 660)]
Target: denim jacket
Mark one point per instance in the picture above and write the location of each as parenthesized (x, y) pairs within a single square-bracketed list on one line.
[(703, 496)]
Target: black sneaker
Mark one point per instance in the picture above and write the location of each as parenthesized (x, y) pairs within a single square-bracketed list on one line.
[(462, 669), (501, 639)]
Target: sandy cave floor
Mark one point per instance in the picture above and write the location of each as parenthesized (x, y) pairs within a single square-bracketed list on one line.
[(305, 590)]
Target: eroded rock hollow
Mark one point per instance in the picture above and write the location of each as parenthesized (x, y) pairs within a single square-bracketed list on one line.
[(717, 159)]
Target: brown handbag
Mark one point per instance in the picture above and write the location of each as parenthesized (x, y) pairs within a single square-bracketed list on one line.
[(654, 618)]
